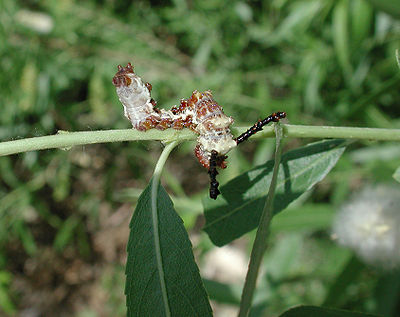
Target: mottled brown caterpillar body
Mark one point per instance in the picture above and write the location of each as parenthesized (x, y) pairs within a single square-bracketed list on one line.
[(200, 113)]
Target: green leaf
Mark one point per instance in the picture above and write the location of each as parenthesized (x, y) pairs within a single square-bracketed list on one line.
[(172, 287), (398, 58), (223, 293), (66, 233), (337, 292), (387, 287), (361, 21), (396, 174), (238, 209), (389, 6), (340, 32), (26, 237), (313, 311), (309, 217)]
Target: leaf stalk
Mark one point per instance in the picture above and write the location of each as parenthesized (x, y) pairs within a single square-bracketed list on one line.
[(261, 240)]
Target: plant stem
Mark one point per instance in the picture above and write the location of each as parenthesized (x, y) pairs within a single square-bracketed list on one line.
[(65, 140), (304, 131), (260, 243), (154, 215)]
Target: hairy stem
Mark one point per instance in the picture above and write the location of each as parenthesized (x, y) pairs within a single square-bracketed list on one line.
[(64, 140)]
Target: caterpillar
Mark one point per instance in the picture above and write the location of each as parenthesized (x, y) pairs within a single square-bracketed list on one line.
[(200, 113)]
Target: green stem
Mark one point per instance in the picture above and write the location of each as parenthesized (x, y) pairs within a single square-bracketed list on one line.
[(304, 131), (68, 139), (260, 243), (154, 214), (65, 140)]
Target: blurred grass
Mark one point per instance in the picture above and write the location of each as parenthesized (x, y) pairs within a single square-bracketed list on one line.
[(323, 62)]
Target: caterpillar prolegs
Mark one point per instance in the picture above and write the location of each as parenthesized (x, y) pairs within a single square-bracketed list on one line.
[(200, 113)]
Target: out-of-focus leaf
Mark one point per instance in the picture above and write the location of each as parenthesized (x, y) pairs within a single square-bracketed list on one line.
[(386, 292), (361, 21), (396, 174), (66, 233), (97, 100), (281, 259), (6, 303), (26, 237), (340, 37), (28, 87), (314, 311), (238, 209), (337, 291), (183, 293), (391, 7), (380, 152), (299, 19), (223, 293), (307, 217)]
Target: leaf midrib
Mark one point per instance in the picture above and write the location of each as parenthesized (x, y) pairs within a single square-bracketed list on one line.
[(237, 209)]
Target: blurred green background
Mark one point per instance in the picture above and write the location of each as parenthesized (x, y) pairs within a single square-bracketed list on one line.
[(64, 214)]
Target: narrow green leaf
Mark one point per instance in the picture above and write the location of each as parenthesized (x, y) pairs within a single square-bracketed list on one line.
[(238, 209), (391, 7), (66, 233), (338, 290), (314, 311), (361, 21), (340, 35), (396, 174), (26, 237), (184, 289)]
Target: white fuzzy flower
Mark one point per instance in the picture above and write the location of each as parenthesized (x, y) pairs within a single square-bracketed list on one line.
[(370, 225)]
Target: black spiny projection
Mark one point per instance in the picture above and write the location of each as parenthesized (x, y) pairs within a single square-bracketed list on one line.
[(212, 171), (215, 158), (275, 117)]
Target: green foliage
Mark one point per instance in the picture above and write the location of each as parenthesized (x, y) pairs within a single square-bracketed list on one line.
[(396, 174), (323, 62), (6, 303), (310, 311), (238, 210), (171, 286)]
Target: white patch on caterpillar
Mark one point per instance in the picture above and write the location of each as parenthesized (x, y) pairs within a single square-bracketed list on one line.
[(134, 96), (201, 113)]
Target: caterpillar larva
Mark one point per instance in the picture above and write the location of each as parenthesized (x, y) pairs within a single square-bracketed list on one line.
[(200, 113)]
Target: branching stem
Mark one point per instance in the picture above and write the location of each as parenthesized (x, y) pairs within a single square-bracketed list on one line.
[(66, 140)]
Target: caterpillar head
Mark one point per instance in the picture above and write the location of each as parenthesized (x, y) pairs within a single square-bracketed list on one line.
[(123, 77)]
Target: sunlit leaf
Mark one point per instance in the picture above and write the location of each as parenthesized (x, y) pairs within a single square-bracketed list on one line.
[(238, 209)]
